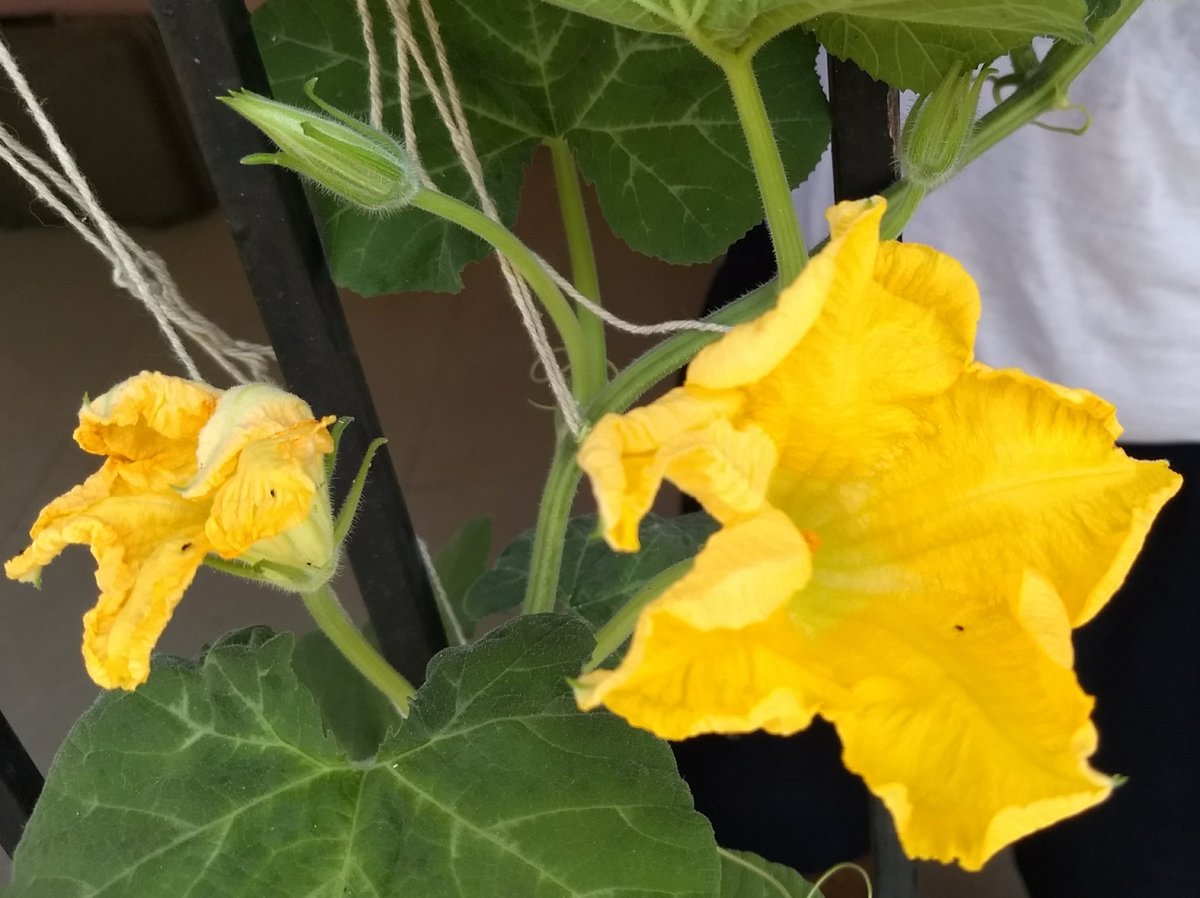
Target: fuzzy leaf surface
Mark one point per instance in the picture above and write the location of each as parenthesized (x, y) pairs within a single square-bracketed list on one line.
[(921, 25), (746, 875), (217, 778), (913, 44), (355, 712), (650, 121)]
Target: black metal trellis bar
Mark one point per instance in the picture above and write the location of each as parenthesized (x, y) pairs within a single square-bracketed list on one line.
[(863, 113), (864, 127), (20, 785), (212, 51)]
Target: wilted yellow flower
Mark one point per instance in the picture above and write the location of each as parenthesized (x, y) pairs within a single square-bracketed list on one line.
[(907, 539), (188, 470)]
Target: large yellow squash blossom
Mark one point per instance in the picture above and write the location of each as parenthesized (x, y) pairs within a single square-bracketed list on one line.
[(908, 538), (188, 470)]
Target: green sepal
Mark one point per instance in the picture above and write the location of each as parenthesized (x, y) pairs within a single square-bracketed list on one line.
[(345, 517)]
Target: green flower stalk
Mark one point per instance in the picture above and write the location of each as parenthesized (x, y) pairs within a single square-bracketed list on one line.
[(334, 150)]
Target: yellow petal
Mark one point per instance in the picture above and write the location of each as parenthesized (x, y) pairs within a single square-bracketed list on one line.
[(726, 470), (143, 572), (852, 392), (244, 415), (715, 652), (1014, 478), (623, 455), (750, 351), (838, 372), (147, 546), (955, 715), (937, 283), (115, 478), (1100, 409), (272, 490), (146, 416)]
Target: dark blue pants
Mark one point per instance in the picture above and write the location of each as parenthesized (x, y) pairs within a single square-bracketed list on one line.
[(1140, 658)]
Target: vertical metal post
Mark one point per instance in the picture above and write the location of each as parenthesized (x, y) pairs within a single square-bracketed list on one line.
[(20, 785), (864, 113), (212, 51)]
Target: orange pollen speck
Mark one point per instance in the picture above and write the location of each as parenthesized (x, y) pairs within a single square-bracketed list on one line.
[(810, 537)]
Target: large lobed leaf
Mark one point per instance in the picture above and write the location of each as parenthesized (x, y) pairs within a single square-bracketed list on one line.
[(651, 123), (357, 714), (914, 44), (907, 43), (218, 779), (595, 581), (746, 875), (460, 563)]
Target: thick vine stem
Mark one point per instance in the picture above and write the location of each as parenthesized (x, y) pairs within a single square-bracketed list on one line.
[(790, 252), (333, 621), (583, 255), (1036, 97), (583, 380), (671, 354), (541, 591), (1049, 80)]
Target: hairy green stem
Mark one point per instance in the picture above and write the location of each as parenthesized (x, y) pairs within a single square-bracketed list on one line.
[(1045, 85), (673, 353), (336, 624), (1037, 96), (541, 590), (619, 627), (583, 256), (1040, 94), (904, 198), (583, 381), (790, 252)]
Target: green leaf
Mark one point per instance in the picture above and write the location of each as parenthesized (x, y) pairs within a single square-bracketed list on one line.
[(1099, 10), (746, 875), (358, 714), (216, 778), (725, 24), (460, 563), (595, 580), (914, 43), (650, 121), (732, 24)]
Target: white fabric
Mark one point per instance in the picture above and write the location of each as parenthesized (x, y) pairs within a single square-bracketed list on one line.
[(1087, 249)]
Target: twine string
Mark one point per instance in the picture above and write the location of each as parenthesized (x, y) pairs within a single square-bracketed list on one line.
[(374, 69), (450, 112), (136, 270)]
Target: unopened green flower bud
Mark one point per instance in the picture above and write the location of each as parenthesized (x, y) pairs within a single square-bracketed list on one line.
[(938, 127), (334, 150)]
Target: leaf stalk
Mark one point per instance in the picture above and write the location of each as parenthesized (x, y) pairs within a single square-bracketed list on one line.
[(335, 623)]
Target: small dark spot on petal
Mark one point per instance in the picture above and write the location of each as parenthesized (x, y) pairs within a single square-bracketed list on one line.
[(959, 627), (185, 547), (272, 494)]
